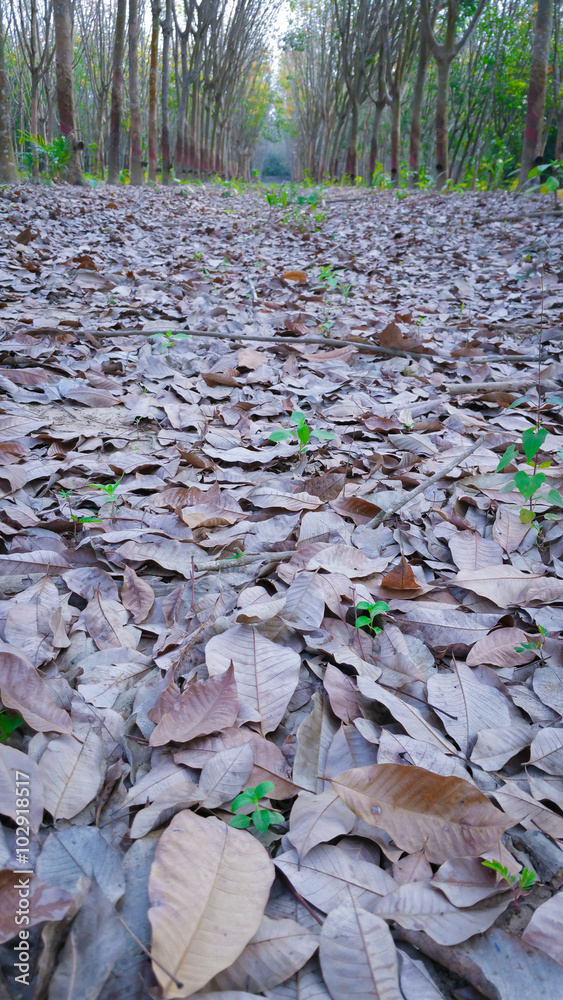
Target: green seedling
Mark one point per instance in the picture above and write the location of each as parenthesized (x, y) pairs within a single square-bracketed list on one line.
[(109, 488), (373, 611), (169, 338), (528, 484), (301, 431), (260, 818), (8, 723), (529, 647), (519, 884)]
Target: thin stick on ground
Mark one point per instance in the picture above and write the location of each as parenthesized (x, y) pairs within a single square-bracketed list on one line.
[(404, 500)]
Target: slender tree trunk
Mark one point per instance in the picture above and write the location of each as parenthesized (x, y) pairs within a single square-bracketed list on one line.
[(374, 143), (416, 110), (153, 91), (442, 156), (100, 150), (537, 88), (559, 138), (166, 26), (116, 93), (352, 151), (180, 153), (8, 172), (395, 136), (34, 126), (137, 176), (65, 87)]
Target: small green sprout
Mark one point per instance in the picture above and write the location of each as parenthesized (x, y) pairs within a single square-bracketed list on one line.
[(109, 488), (519, 883), (528, 647), (528, 483), (86, 520), (8, 723), (372, 612), (261, 818), (302, 432)]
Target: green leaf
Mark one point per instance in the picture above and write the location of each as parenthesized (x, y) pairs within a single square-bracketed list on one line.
[(555, 400), (263, 789), (362, 620), (510, 453), (275, 817), (532, 173), (261, 819), (379, 608), (522, 399), (323, 435), (303, 433), (500, 869), (8, 723), (532, 441), (281, 435), (363, 606), (553, 497), (298, 418), (550, 184), (240, 822), (527, 516), (528, 485), (246, 798)]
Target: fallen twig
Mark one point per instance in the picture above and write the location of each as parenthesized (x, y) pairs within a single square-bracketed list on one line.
[(508, 385), (383, 514), (362, 345), (243, 560)]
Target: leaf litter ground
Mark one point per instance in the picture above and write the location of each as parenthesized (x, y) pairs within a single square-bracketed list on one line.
[(187, 632)]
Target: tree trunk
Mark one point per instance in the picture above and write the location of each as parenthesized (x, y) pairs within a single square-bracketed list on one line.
[(395, 137), (34, 126), (153, 92), (166, 26), (374, 144), (537, 88), (559, 138), (352, 151), (416, 110), (116, 94), (8, 172), (137, 175), (442, 156), (64, 52), (180, 155)]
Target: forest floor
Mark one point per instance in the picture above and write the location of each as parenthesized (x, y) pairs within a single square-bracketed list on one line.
[(180, 593)]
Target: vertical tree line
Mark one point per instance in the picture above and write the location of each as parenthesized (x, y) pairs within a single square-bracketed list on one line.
[(431, 91)]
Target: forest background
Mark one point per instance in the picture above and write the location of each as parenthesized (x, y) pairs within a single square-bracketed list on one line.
[(383, 92)]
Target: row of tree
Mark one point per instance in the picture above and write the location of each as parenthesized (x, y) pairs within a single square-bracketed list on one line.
[(183, 87), (174, 86), (467, 79)]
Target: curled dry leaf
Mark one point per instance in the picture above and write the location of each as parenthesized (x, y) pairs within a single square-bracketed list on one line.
[(358, 955), (23, 690), (203, 707), (226, 875), (446, 817), (137, 596)]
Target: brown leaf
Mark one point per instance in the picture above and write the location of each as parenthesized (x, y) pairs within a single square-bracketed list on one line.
[(136, 595), (358, 956), (72, 770), (226, 876), (544, 929), (299, 277), (401, 577), (419, 906), (266, 674), (278, 949), (203, 707), (105, 620), (24, 690), (444, 817)]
